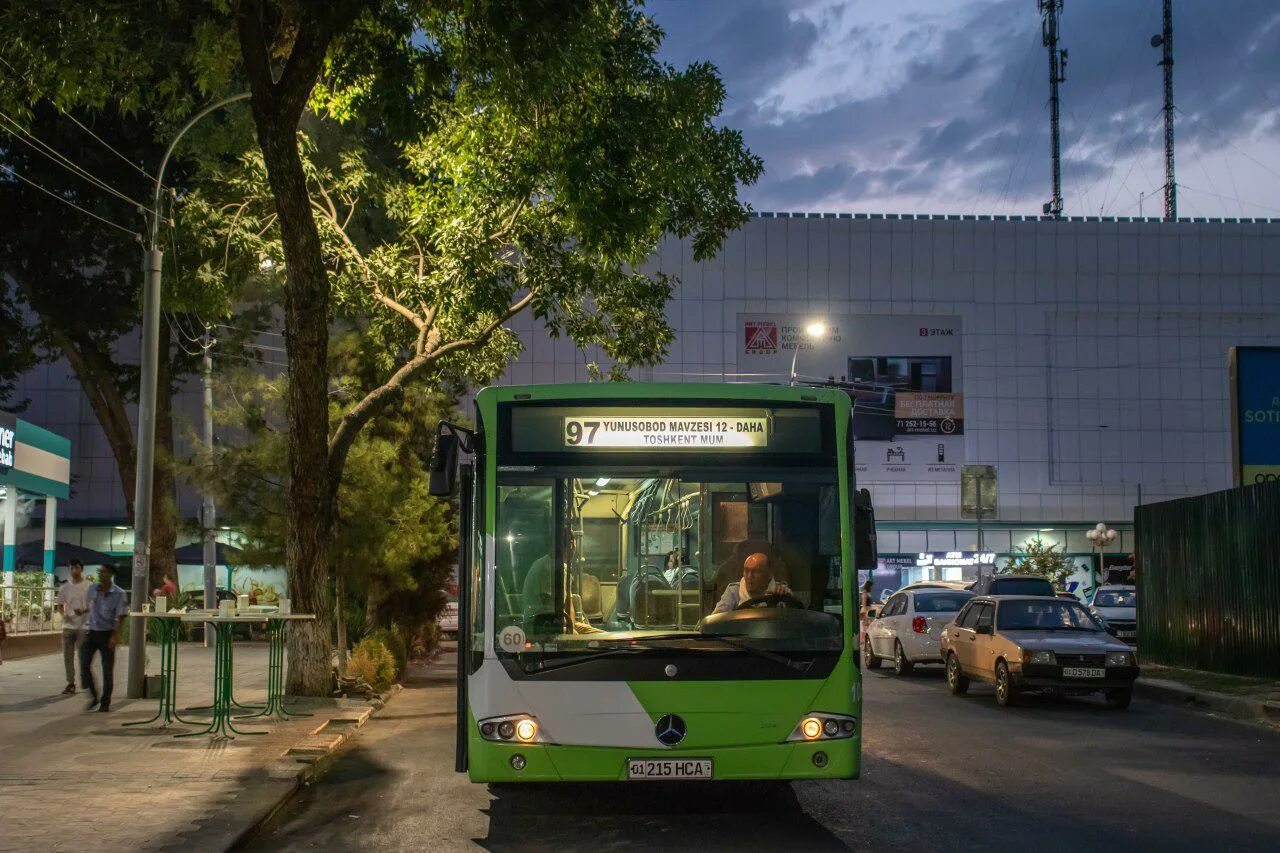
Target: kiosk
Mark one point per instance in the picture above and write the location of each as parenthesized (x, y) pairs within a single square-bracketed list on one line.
[(34, 464)]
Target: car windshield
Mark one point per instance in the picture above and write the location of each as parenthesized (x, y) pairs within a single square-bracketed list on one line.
[(1021, 586), (1048, 615), (941, 602), (597, 561), (1115, 598)]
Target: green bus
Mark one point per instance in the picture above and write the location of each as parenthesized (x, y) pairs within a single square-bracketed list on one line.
[(654, 582)]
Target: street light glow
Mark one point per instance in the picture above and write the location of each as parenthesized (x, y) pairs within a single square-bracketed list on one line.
[(816, 329)]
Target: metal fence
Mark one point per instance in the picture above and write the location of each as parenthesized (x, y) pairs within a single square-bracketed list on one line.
[(29, 610), (1209, 581)]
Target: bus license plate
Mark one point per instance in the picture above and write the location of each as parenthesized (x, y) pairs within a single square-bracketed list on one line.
[(1083, 672), (668, 768)]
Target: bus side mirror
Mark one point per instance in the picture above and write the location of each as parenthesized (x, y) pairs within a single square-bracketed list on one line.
[(864, 532), (444, 464)]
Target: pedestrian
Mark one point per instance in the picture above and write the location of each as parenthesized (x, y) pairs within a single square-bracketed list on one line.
[(167, 588), (74, 598), (107, 609), (3, 633)]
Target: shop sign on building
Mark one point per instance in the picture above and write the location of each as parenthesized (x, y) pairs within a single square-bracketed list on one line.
[(904, 374), (8, 436), (1255, 422)]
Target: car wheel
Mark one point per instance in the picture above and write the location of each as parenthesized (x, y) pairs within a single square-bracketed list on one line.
[(1120, 697), (957, 681), (901, 666), (869, 659), (1006, 693)]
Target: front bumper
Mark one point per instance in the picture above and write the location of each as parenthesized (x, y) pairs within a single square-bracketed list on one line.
[(491, 762), (1040, 676)]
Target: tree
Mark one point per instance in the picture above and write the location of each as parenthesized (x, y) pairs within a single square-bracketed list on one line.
[(392, 542), (1041, 560), (549, 151), (80, 280)]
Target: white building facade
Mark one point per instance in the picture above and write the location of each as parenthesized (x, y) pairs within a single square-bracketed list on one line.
[(1083, 360)]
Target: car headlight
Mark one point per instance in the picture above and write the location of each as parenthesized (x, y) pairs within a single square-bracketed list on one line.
[(513, 728), (1039, 657), (1120, 659), (820, 726)]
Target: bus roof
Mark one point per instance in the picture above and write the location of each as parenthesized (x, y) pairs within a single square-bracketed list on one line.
[(659, 391)]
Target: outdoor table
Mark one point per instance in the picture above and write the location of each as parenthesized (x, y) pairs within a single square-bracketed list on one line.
[(170, 624), (275, 667), (220, 724)]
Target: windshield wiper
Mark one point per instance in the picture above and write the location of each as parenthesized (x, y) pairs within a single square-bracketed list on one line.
[(542, 666), (740, 646)]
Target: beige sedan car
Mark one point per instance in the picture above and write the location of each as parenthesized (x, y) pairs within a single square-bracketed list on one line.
[(1024, 643)]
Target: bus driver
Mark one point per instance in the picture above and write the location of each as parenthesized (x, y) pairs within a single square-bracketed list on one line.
[(757, 581)]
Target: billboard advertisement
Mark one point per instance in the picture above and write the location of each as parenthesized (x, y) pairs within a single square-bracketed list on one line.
[(904, 374), (1255, 374)]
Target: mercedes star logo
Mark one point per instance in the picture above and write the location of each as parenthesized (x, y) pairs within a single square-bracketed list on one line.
[(670, 730)]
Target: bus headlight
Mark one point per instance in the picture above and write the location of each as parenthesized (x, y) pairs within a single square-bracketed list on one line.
[(823, 726), (513, 728)]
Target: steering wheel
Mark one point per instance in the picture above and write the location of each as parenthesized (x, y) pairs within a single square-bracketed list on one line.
[(772, 599)]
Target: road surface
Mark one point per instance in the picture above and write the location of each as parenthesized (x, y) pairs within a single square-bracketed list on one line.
[(939, 772)]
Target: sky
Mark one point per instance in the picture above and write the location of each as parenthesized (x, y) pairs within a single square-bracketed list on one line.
[(941, 106)]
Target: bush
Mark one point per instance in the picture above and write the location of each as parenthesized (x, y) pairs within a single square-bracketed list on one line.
[(372, 663), (393, 640)]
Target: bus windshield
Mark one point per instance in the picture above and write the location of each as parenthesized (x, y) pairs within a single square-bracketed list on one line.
[(602, 560)]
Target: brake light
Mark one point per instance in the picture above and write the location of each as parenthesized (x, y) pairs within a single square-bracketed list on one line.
[(919, 625)]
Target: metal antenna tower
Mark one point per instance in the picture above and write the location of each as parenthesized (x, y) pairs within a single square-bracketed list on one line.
[(1165, 40), (1049, 12)]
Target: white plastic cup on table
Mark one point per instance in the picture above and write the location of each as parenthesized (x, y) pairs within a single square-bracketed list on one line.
[(242, 603), (285, 605), (224, 607), (162, 604)]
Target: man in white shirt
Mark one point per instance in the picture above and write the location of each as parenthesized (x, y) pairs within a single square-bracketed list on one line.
[(757, 581), (74, 598)]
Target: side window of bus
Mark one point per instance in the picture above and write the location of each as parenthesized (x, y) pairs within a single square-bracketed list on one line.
[(475, 602), (525, 545)]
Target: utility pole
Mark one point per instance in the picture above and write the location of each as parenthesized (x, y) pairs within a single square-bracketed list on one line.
[(1049, 12), (208, 513), (152, 260), (1165, 41)]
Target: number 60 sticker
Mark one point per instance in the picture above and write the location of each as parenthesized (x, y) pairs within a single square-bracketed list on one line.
[(511, 639)]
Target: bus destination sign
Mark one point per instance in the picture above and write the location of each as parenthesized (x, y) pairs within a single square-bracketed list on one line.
[(659, 432)]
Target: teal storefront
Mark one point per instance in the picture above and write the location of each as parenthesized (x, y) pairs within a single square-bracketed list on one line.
[(35, 466)]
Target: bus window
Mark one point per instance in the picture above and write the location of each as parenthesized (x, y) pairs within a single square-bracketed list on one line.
[(586, 561)]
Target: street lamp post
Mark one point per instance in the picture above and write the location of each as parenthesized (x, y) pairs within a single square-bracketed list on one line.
[(152, 259), (812, 331), (1101, 536)]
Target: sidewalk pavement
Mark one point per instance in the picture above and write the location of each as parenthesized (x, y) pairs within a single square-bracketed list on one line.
[(77, 780), (1251, 699)]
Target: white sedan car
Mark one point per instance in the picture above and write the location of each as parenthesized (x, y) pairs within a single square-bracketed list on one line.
[(907, 628)]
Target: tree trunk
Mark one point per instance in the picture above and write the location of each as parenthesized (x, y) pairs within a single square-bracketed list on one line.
[(308, 501), (278, 101)]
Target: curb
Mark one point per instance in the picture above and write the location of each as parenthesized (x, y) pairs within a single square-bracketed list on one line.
[(1238, 707), (315, 753)]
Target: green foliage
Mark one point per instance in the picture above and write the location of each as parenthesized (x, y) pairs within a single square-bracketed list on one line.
[(1041, 560), (372, 663), (393, 639), (392, 541)]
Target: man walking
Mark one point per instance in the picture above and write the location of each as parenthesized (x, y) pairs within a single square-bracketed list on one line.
[(107, 609), (74, 598)]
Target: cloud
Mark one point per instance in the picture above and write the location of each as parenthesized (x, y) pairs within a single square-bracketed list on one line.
[(941, 106)]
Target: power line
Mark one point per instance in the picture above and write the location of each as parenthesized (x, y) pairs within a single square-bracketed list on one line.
[(69, 203), (80, 125), (49, 152)]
